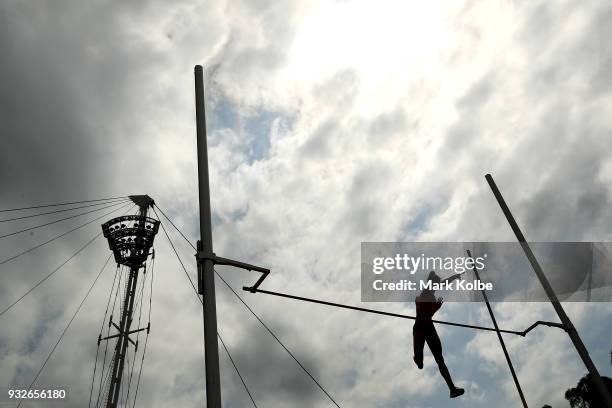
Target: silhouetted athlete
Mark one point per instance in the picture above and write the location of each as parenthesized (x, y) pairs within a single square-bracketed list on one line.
[(424, 331)]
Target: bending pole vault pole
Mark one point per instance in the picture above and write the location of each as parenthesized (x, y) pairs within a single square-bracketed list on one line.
[(206, 280), (565, 320)]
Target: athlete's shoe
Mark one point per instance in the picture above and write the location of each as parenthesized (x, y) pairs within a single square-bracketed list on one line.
[(456, 392), (418, 363)]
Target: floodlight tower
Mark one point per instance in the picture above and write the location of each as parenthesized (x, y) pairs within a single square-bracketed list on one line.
[(130, 237)]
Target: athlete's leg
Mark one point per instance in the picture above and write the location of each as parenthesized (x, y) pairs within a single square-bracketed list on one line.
[(435, 345), (418, 336)]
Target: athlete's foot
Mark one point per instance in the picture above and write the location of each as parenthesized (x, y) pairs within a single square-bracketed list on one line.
[(455, 392), (418, 363)]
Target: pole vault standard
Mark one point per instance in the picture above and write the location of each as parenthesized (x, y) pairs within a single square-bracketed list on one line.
[(501, 339), (205, 256), (206, 277), (565, 320)]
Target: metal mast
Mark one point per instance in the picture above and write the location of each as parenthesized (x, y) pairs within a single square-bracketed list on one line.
[(206, 282), (565, 320), (205, 256), (130, 237)]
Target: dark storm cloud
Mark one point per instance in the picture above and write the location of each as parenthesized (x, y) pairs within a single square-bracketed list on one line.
[(569, 136), (272, 372), (64, 80), (67, 77), (560, 145), (46, 153), (67, 73), (601, 81), (572, 194)]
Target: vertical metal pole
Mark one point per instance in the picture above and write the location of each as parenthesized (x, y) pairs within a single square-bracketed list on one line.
[(501, 339), (211, 351), (565, 320)]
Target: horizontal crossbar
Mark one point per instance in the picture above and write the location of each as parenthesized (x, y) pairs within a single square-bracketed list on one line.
[(402, 316)]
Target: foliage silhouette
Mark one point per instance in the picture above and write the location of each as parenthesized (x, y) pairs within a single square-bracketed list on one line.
[(585, 395)]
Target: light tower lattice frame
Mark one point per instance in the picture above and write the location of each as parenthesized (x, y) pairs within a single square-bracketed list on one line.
[(130, 237)]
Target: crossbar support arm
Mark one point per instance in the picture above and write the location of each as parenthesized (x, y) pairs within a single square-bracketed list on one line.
[(217, 260)]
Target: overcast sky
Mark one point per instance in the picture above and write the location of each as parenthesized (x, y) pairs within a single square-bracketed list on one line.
[(329, 124)]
